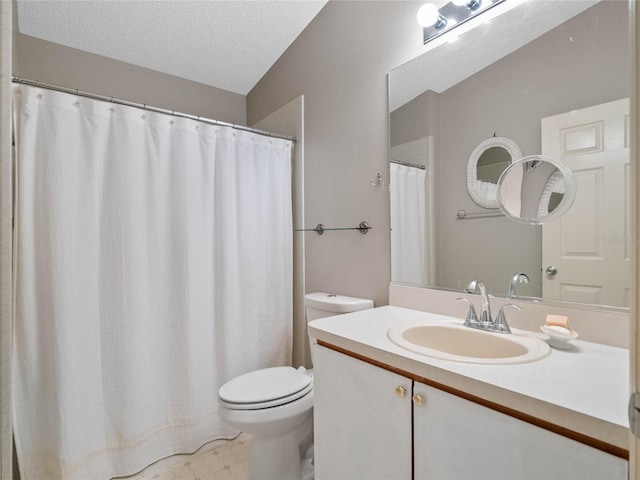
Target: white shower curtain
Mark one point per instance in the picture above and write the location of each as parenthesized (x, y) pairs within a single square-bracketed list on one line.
[(408, 225), (153, 263)]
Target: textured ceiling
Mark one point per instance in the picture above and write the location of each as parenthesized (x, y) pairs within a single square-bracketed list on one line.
[(229, 44)]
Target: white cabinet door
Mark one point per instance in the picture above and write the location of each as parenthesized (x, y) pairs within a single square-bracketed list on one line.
[(457, 439), (362, 428)]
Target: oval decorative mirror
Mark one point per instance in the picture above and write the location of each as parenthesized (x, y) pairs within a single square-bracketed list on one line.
[(536, 189), (486, 163)]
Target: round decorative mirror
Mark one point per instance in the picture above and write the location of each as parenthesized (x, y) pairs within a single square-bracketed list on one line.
[(486, 163), (536, 189)]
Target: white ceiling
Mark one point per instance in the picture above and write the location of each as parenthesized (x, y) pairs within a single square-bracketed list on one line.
[(229, 44)]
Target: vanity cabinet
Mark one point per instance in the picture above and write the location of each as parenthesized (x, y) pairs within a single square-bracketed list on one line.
[(362, 419), (455, 438), (368, 426)]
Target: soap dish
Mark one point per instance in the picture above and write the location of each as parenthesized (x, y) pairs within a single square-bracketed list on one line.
[(559, 336)]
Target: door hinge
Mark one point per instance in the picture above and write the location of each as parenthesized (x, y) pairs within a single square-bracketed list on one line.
[(634, 413)]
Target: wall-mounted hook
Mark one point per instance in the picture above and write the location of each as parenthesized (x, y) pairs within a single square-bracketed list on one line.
[(378, 180)]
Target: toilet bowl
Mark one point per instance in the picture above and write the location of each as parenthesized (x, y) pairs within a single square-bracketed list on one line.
[(275, 405)]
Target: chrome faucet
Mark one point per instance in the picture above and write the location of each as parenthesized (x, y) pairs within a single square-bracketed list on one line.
[(476, 286), (515, 280), (485, 322)]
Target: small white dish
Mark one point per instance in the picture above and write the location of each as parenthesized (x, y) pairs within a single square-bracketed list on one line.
[(559, 336)]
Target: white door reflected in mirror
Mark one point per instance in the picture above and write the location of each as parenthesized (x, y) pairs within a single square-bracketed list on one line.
[(536, 189)]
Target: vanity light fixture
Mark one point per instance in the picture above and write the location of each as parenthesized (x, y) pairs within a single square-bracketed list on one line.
[(436, 21), (470, 4)]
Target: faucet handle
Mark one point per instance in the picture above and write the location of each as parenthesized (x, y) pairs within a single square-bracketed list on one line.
[(501, 319), (472, 317)]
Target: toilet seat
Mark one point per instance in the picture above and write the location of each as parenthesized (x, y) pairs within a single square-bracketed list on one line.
[(265, 388)]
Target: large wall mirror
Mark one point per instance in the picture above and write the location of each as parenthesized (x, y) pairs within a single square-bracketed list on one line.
[(553, 76)]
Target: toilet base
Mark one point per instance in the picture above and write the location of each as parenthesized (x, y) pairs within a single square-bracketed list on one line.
[(280, 457)]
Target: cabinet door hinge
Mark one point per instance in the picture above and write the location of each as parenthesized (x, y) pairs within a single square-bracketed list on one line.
[(634, 413)]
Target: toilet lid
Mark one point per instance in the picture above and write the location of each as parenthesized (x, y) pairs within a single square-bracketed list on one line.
[(265, 385), (278, 402)]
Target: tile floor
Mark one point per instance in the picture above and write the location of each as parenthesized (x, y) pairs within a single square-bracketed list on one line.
[(217, 460)]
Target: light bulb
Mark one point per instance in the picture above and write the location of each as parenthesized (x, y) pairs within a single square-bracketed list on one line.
[(428, 15)]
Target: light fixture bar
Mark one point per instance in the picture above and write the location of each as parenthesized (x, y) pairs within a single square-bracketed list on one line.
[(457, 15)]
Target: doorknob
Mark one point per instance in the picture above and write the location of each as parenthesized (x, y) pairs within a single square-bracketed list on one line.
[(551, 270)]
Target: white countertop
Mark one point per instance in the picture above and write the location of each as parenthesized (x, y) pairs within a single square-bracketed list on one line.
[(585, 389)]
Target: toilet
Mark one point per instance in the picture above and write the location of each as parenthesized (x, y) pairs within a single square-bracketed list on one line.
[(275, 405)]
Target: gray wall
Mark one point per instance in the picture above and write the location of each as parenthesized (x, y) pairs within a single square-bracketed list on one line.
[(416, 119), (581, 63), (49, 62), (340, 64), (289, 120)]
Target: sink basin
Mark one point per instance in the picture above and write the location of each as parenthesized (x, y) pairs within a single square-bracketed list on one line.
[(463, 344)]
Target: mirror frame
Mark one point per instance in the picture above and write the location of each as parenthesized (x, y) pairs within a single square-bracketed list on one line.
[(472, 172)]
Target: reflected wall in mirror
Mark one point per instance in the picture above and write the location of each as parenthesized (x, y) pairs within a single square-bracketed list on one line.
[(486, 163), (516, 75)]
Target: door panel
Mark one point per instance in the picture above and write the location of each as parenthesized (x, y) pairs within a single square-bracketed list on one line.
[(590, 244)]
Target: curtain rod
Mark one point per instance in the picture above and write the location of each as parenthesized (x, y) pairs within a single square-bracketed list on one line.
[(406, 164), (144, 106)]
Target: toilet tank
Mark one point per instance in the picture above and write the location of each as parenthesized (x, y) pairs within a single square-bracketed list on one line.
[(321, 304)]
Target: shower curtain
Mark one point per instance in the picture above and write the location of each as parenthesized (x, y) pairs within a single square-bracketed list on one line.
[(408, 225), (153, 263)]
